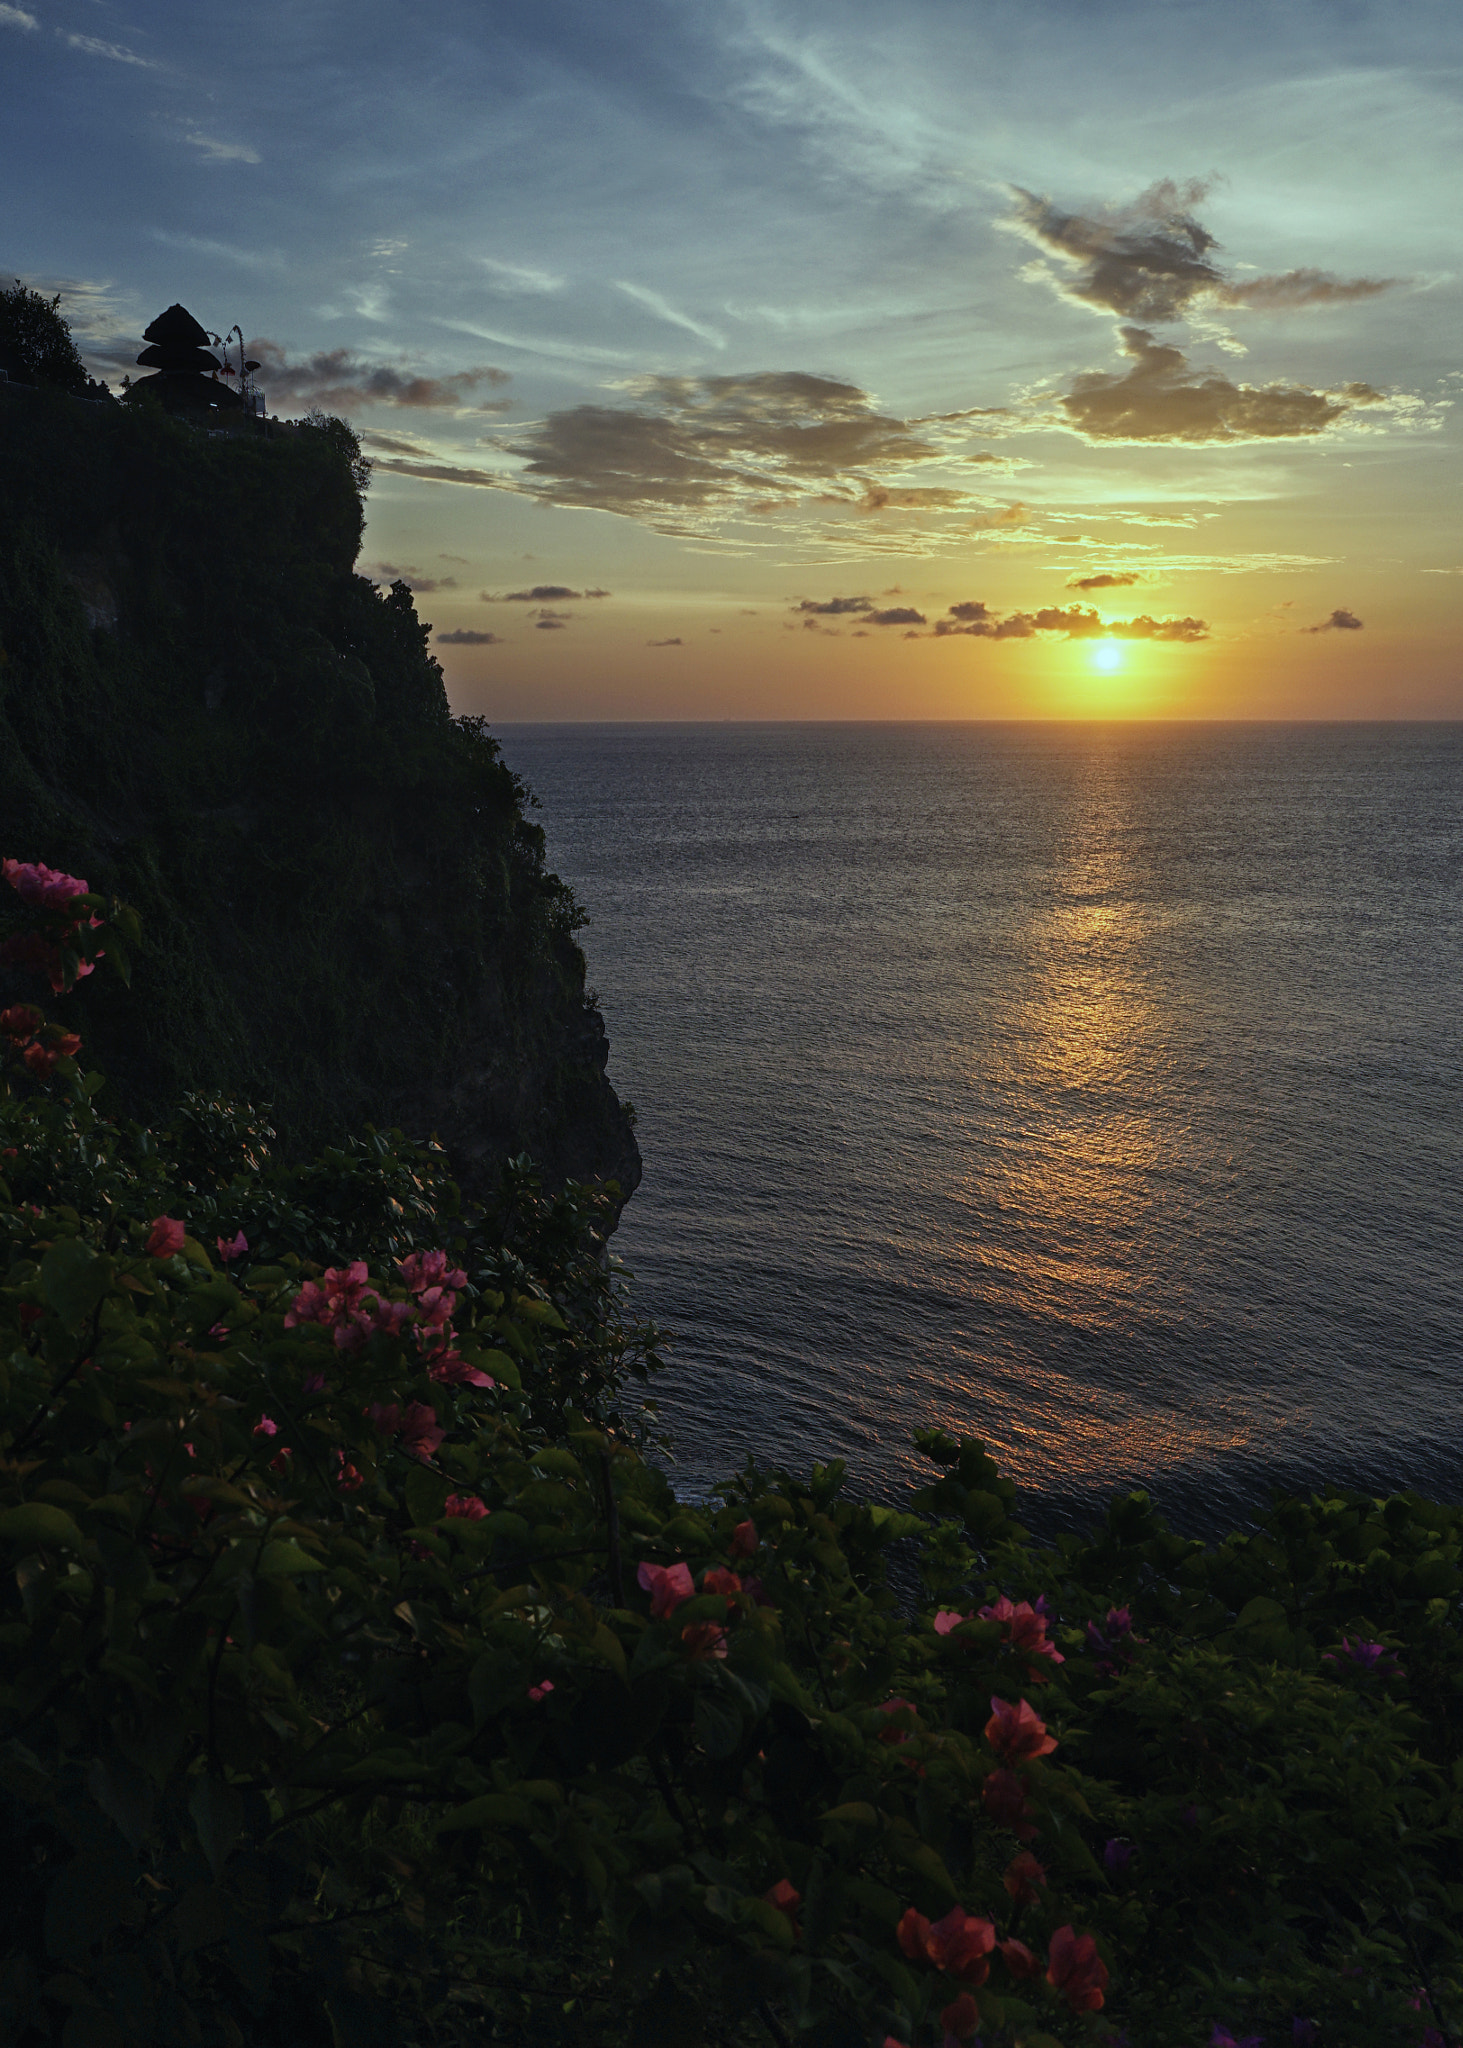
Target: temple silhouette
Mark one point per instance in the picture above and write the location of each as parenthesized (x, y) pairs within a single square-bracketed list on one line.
[(187, 377)]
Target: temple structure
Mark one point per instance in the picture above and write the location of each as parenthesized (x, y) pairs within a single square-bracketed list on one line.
[(185, 371)]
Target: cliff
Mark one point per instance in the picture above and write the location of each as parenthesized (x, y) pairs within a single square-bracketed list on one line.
[(202, 704)]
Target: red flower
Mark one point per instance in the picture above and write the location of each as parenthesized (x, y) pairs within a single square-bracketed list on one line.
[(348, 1479), (704, 1639), (889, 1733), (1017, 1734), (1004, 1797), (960, 2020), (165, 1237), (386, 1418), (667, 1585), (453, 1370), (1076, 1969), (744, 1539), (1019, 1960), (948, 1620), (1023, 1873), (786, 1899), (21, 1021), (420, 1431), (912, 1934), (1024, 1628), (960, 1945), (720, 1580), (465, 1507)]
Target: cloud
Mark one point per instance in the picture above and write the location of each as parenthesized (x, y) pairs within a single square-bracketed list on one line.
[(93, 46), (517, 277), (547, 621), (15, 17), (464, 637), (338, 381), (1073, 622), (542, 593), (1107, 579), (425, 585), (897, 615), (1339, 622), (1165, 398), (599, 593), (664, 310), (696, 451), (1154, 262), (835, 607), (216, 152), (664, 643)]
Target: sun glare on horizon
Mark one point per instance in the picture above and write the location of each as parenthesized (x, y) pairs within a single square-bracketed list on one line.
[(1107, 656)]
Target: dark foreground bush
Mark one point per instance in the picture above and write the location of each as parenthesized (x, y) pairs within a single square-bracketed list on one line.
[(365, 1682)]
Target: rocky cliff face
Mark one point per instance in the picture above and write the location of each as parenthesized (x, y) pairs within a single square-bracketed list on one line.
[(203, 709)]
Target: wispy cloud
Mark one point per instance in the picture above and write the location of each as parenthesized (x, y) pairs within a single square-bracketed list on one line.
[(664, 310), (227, 252), (518, 278), (216, 152), (466, 637), (339, 381), (15, 17), (93, 46)]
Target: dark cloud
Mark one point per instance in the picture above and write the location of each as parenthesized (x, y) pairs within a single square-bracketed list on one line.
[(1107, 579), (551, 622), (1339, 622), (542, 593), (663, 643), (696, 448), (909, 498), (1073, 622), (464, 638), (835, 607), (1154, 261), (1164, 397), (338, 381), (897, 615), (599, 593), (422, 585)]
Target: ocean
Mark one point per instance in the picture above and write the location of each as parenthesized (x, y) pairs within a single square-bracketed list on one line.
[(1091, 1089)]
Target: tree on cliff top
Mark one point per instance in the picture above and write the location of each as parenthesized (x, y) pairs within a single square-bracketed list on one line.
[(35, 341)]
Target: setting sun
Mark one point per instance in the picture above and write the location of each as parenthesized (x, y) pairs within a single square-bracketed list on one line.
[(1107, 656)]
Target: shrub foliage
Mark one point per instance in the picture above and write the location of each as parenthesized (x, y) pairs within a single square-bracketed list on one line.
[(365, 1680)]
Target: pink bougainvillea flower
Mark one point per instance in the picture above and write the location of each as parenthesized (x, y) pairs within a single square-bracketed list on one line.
[(165, 1237), (391, 1317), (435, 1307), (743, 1539), (42, 887), (1365, 1656), (667, 1585), (349, 1478), (541, 1691), (1223, 2038), (704, 1639), (420, 1270), (1022, 1876), (465, 1507), (1019, 1960), (720, 1580), (232, 1247), (948, 1620), (21, 1021), (961, 1944), (890, 2042), (1076, 1970), (313, 1383), (1024, 1628), (960, 2019), (40, 1059), (385, 1416), (420, 1431), (266, 1426), (1113, 1643), (453, 1370), (1004, 1798), (1017, 1734), (786, 1898), (891, 1733), (912, 1933), (1116, 1857)]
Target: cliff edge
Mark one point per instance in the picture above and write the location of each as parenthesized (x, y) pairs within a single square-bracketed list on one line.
[(200, 705)]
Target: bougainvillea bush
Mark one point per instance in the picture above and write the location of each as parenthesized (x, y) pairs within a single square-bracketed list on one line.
[(364, 1679)]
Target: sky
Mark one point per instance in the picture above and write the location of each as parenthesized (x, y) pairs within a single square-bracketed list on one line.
[(816, 358)]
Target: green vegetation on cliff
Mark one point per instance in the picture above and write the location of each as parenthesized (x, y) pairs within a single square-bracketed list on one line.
[(204, 710)]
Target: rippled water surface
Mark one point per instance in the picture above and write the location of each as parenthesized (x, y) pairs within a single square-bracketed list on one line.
[(1094, 1089)]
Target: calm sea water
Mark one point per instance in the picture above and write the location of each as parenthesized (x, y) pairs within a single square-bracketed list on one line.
[(1092, 1089)]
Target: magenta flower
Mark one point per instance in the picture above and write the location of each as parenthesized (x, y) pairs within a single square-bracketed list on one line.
[(1017, 1734), (42, 887), (266, 1426), (1024, 1628), (465, 1507), (1222, 2038), (1116, 1857), (232, 1247), (667, 1585), (453, 1370), (165, 1238), (1366, 1657), (948, 1620), (421, 1270), (385, 1417), (420, 1432), (541, 1691)]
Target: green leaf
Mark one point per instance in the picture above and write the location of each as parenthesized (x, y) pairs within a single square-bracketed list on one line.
[(39, 1523), (856, 1813), (218, 1815), (718, 1724), (612, 1650), (74, 1277), (284, 1559), (426, 1496), (492, 1810)]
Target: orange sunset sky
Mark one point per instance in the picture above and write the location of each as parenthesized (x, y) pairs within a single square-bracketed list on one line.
[(819, 360)]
